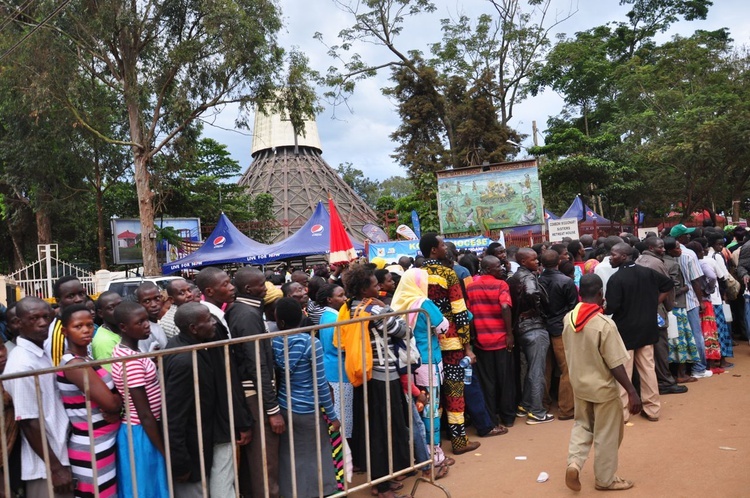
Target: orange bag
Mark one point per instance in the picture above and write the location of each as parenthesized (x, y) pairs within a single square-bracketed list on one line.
[(352, 335)]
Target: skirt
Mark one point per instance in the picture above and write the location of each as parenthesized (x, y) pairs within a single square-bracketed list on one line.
[(710, 333), (345, 411), (378, 425), (682, 349), (150, 467), (305, 450), (725, 334)]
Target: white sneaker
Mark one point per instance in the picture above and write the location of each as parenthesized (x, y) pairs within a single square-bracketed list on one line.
[(703, 375)]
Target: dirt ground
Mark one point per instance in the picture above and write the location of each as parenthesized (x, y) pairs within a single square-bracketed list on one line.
[(681, 455)]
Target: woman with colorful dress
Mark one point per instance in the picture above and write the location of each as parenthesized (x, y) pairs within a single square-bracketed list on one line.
[(411, 294), (716, 257), (104, 422), (708, 317), (682, 349)]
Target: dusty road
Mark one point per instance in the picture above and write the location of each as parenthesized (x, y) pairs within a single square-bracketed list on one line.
[(679, 456)]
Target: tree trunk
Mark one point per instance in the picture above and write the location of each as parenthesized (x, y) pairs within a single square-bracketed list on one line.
[(100, 222), (146, 213), (43, 224), (16, 239)]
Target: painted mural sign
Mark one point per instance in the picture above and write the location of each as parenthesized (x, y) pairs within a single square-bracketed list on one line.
[(489, 197)]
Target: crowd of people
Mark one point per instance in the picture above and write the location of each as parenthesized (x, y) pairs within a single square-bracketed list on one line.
[(513, 334)]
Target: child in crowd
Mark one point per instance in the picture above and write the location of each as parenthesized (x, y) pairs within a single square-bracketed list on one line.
[(140, 433), (104, 422)]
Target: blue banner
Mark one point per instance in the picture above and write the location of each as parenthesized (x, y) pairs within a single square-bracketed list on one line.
[(415, 223), (391, 251)]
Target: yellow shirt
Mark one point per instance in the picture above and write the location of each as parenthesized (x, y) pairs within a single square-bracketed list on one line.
[(590, 355)]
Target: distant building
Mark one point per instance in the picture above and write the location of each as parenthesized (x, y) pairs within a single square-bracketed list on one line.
[(293, 170)]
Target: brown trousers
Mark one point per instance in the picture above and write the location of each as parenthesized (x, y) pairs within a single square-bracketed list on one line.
[(565, 390), (643, 359), (600, 425)]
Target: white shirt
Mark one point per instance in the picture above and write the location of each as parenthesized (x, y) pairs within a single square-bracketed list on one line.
[(605, 270), (717, 261), (157, 339), (27, 357), (218, 314)]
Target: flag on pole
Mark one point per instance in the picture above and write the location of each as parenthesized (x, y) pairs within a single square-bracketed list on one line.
[(342, 249), (416, 224)]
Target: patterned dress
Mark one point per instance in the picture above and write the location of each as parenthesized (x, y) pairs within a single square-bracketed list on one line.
[(445, 291), (79, 445)]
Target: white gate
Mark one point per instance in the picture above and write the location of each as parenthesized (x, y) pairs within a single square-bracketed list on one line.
[(37, 278)]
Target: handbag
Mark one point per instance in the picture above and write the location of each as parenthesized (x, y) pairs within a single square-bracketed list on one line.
[(672, 331), (733, 287), (727, 312)]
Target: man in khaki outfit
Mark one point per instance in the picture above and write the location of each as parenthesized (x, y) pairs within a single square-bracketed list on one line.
[(596, 357)]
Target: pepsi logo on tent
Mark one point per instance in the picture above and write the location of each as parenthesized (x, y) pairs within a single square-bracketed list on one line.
[(219, 242), (317, 230)]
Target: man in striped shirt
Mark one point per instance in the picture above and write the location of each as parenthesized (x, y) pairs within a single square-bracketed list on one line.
[(490, 303)]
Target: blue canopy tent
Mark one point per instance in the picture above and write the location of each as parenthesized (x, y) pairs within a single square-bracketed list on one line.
[(311, 239), (583, 213), (226, 244)]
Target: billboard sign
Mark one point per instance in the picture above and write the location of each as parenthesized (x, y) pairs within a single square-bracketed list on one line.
[(126, 238), (490, 197)]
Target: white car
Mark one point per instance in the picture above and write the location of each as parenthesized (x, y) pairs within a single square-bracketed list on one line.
[(126, 286)]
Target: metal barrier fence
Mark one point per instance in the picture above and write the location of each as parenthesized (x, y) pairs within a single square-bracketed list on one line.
[(159, 356)]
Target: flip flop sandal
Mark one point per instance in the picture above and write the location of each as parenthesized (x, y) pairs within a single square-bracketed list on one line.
[(395, 486), (447, 462), (496, 431), (440, 472)]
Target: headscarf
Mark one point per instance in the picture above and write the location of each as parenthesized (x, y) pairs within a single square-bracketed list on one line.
[(411, 292)]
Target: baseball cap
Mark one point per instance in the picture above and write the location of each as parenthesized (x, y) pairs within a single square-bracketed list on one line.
[(680, 230)]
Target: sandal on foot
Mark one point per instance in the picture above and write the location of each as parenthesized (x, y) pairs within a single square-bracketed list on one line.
[(498, 430), (447, 462), (395, 486), (440, 472)]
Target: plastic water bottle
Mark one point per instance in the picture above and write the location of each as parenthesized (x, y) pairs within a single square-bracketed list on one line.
[(660, 321), (466, 364)]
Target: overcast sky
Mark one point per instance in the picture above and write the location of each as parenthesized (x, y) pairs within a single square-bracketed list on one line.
[(362, 135)]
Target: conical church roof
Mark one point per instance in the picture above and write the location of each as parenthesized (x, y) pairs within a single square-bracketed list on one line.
[(298, 177)]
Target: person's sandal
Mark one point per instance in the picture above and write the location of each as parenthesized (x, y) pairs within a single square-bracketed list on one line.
[(447, 462), (440, 472), (496, 431), (617, 484), (395, 486)]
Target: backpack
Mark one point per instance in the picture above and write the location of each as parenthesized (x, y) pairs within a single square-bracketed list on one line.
[(353, 337), (406, 356)]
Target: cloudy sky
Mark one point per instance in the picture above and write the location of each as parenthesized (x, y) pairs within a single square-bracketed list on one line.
[(361, 136)]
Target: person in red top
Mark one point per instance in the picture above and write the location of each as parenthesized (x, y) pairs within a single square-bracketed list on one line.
[(490, 302)]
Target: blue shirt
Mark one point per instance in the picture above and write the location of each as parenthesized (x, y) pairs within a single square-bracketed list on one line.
[(420, 332), (301, 380), (331, 352)]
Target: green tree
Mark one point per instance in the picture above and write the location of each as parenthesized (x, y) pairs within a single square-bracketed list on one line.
[(261, 210), (367, 189), (169, 64)]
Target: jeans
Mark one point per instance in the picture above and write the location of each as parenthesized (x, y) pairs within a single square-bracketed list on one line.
[(535, 344), (695, 326)]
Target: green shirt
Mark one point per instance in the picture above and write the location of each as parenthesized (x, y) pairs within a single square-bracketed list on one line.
[(103, 343)]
